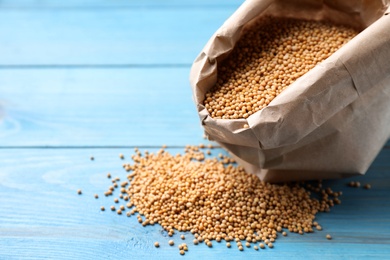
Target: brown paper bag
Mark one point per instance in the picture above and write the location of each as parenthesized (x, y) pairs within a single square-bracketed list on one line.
[(329, 123)]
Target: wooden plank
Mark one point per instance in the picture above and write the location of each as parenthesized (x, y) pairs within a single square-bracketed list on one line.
[(98, 107), (109, 37), (35, 4), (43, 217)]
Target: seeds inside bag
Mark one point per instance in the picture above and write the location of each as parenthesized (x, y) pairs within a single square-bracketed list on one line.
[(271, 54)]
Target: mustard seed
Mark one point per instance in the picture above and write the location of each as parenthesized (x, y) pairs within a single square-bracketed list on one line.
[(195, 241), (261, 245), (79, 192), (247, 244), (270, 245), (329, 237), (228, 245), (116, 200), (102, 208), (92, 158), (367, 186), (96, 196), (108, 175), (182, 237), (240, 248), (112, 208), (171, 243), (156, 244), (182, 252), (121, 156)]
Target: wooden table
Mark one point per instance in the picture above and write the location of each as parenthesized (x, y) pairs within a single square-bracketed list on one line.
[(98, 78)]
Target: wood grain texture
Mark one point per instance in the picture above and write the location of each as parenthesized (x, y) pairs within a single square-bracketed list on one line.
[(84, 77), (43, 217), (92, 107), (93, 4), (112, 36)]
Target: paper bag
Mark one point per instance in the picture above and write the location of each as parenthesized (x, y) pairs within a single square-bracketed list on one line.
[(329, 123)]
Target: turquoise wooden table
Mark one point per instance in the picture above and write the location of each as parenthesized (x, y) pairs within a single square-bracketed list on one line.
[(98, 78)]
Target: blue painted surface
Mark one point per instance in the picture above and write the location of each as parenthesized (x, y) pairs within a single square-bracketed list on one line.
[(82, 78)]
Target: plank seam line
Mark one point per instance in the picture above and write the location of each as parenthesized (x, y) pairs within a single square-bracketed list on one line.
[(102, 146), (95, 66), (94, 147), (118, 7)]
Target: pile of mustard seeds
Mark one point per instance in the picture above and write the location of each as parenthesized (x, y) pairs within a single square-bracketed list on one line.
[(271, 54), (215, 199)]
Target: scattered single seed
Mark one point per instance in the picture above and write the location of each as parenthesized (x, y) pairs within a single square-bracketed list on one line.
[(246, 126), (284, 233), (182, 252), (255, 248), (116, 200), (112, 208), (182, 237), (102, 208), (228, 245), (96, 196), (367, 186), (240, 248), (328, 237), (156, 244), (247, 244), (108, 175), (92, 158), (119, 212), (270, 245), (121, 156), (318, 227), (261, 245), (79, 192), (171, 243)]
